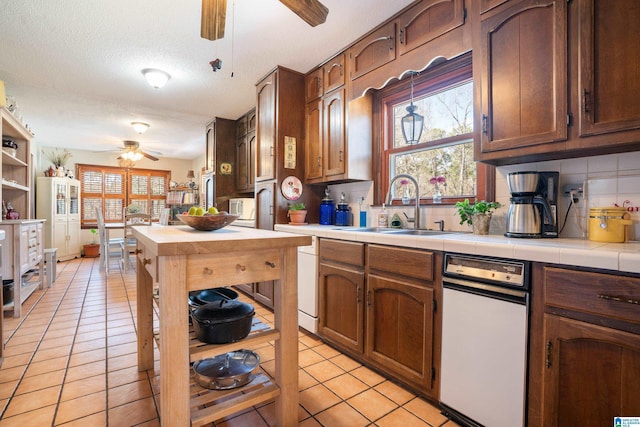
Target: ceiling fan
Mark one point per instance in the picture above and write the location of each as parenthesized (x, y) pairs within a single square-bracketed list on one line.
[(133, 152), (214, 13)]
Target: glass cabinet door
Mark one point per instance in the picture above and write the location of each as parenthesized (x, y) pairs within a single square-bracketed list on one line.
[(74, 191), (61, 198)]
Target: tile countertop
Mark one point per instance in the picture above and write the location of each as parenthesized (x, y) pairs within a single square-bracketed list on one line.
[(573, 252)]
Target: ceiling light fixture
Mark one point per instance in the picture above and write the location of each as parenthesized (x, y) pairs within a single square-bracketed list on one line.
[(413, 122), (156, 78), (134, 156), (140, 127)]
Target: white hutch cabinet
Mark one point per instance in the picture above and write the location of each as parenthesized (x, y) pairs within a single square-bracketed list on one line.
[(58, 202)]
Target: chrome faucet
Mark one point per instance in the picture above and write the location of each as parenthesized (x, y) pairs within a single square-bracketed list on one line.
[(416, 223)]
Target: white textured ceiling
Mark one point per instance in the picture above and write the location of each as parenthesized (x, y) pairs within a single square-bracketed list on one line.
[(74, 66)]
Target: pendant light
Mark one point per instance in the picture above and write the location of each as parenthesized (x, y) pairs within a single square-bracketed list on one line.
[(413, 122)]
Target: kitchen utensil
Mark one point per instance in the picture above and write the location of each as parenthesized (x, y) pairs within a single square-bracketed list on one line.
[(222, 321), (226, 371), (522, 182), (615, 221), (208, 222), (200, 298)]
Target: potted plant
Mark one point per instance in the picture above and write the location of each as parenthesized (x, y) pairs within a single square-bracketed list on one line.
[(297, 213), (478, 215), (92, 250)]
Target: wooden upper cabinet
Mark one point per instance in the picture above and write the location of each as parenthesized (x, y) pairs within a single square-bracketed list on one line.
[(524, 75), (334, 134), (608, 71), (426, 21), (313, 141), (251, 121), (333, 72), (486, 5), (266, 133), (313, 85), (373, 51)]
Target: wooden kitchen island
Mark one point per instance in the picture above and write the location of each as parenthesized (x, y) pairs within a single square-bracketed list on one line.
[(179, 259)]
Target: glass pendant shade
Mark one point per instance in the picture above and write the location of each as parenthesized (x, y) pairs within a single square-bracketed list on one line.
[(412, 125)]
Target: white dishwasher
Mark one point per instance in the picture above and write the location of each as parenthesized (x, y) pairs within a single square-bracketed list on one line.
[(308, 286), (485, 316)]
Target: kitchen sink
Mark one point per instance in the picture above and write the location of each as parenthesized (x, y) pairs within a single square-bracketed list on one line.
[(404, 231)]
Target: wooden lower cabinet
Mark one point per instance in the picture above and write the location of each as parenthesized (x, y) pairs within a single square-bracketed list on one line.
[(585, 348), (399, 325), (262, 292), (381, 316), (341, 291)]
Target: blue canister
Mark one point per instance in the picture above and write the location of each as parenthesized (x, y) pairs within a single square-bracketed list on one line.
[(327, 210), (343, 213)]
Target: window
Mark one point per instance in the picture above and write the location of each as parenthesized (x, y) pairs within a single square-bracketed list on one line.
[(112, 189), (442, 161)]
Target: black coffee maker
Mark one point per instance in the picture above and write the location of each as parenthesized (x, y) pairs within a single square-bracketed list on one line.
[(534, 201)]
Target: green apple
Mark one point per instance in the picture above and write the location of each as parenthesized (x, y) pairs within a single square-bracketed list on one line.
[(213, 210), (200, 211), (192, 210)]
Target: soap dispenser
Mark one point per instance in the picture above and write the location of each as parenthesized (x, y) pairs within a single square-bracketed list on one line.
[(383, 219), (327, 209)]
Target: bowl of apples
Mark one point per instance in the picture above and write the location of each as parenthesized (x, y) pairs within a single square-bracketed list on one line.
[(208, 220)]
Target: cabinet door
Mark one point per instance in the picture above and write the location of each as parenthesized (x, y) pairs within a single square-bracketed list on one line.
[(266, 141), (313, 85), (265, 203), (375, 50), (333, 72), (399, 326), (524, 75), (313, 141), (242, 163), (25, 249), (334, 134), (264, 293), (210, 153), (341, 312), (609, 64), (60, 239), (426, 21), (73, 231), (251, 159), (588, 374)]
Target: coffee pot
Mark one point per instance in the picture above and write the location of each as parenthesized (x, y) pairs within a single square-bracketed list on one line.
[(533, 209)]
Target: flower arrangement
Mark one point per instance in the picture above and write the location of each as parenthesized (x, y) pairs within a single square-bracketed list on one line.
[(437, 196), (58, 158), (133, 208)]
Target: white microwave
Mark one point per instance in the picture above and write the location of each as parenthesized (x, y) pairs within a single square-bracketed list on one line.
[(244, 207)]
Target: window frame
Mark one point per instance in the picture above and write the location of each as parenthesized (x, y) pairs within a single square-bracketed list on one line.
[(434, 79), (126, 195)]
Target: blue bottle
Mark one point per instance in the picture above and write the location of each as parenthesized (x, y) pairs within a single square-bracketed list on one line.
[(343, 214), (327, 209)]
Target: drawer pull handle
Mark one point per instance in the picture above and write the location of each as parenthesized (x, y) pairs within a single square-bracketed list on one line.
[(619, 299), (146, 261), (138, 251), (270, 264), (208, 271), (241, 267)]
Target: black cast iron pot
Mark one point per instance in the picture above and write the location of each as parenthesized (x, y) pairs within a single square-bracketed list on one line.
[(222, 321)]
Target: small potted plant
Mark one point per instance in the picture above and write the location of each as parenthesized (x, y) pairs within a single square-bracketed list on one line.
[(297, 213), (92, 250), (478, 215)]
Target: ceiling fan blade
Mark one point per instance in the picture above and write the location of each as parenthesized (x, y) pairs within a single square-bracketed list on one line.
[(311, 11), (149, 156), (214, 13)]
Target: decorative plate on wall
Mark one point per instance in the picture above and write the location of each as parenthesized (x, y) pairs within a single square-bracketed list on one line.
[(291, 188)]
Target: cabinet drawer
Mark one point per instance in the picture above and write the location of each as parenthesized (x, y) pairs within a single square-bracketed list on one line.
[(406, 262), (232, 269), (342, 252), (616, 297), (148, 261)]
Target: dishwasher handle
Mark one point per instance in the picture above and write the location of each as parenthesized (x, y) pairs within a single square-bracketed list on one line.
[(484, 289)]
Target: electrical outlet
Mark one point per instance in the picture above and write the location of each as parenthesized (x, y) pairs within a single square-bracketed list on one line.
[(574, 191)]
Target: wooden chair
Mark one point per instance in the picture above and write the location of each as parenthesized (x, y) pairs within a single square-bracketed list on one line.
[(129, 243), (108, 247)]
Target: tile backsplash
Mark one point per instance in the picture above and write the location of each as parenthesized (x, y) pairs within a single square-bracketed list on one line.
[(606, 181)]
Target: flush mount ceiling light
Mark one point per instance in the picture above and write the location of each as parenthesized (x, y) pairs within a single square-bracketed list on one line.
[(156, 78), (140, 127), (413, 122)]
